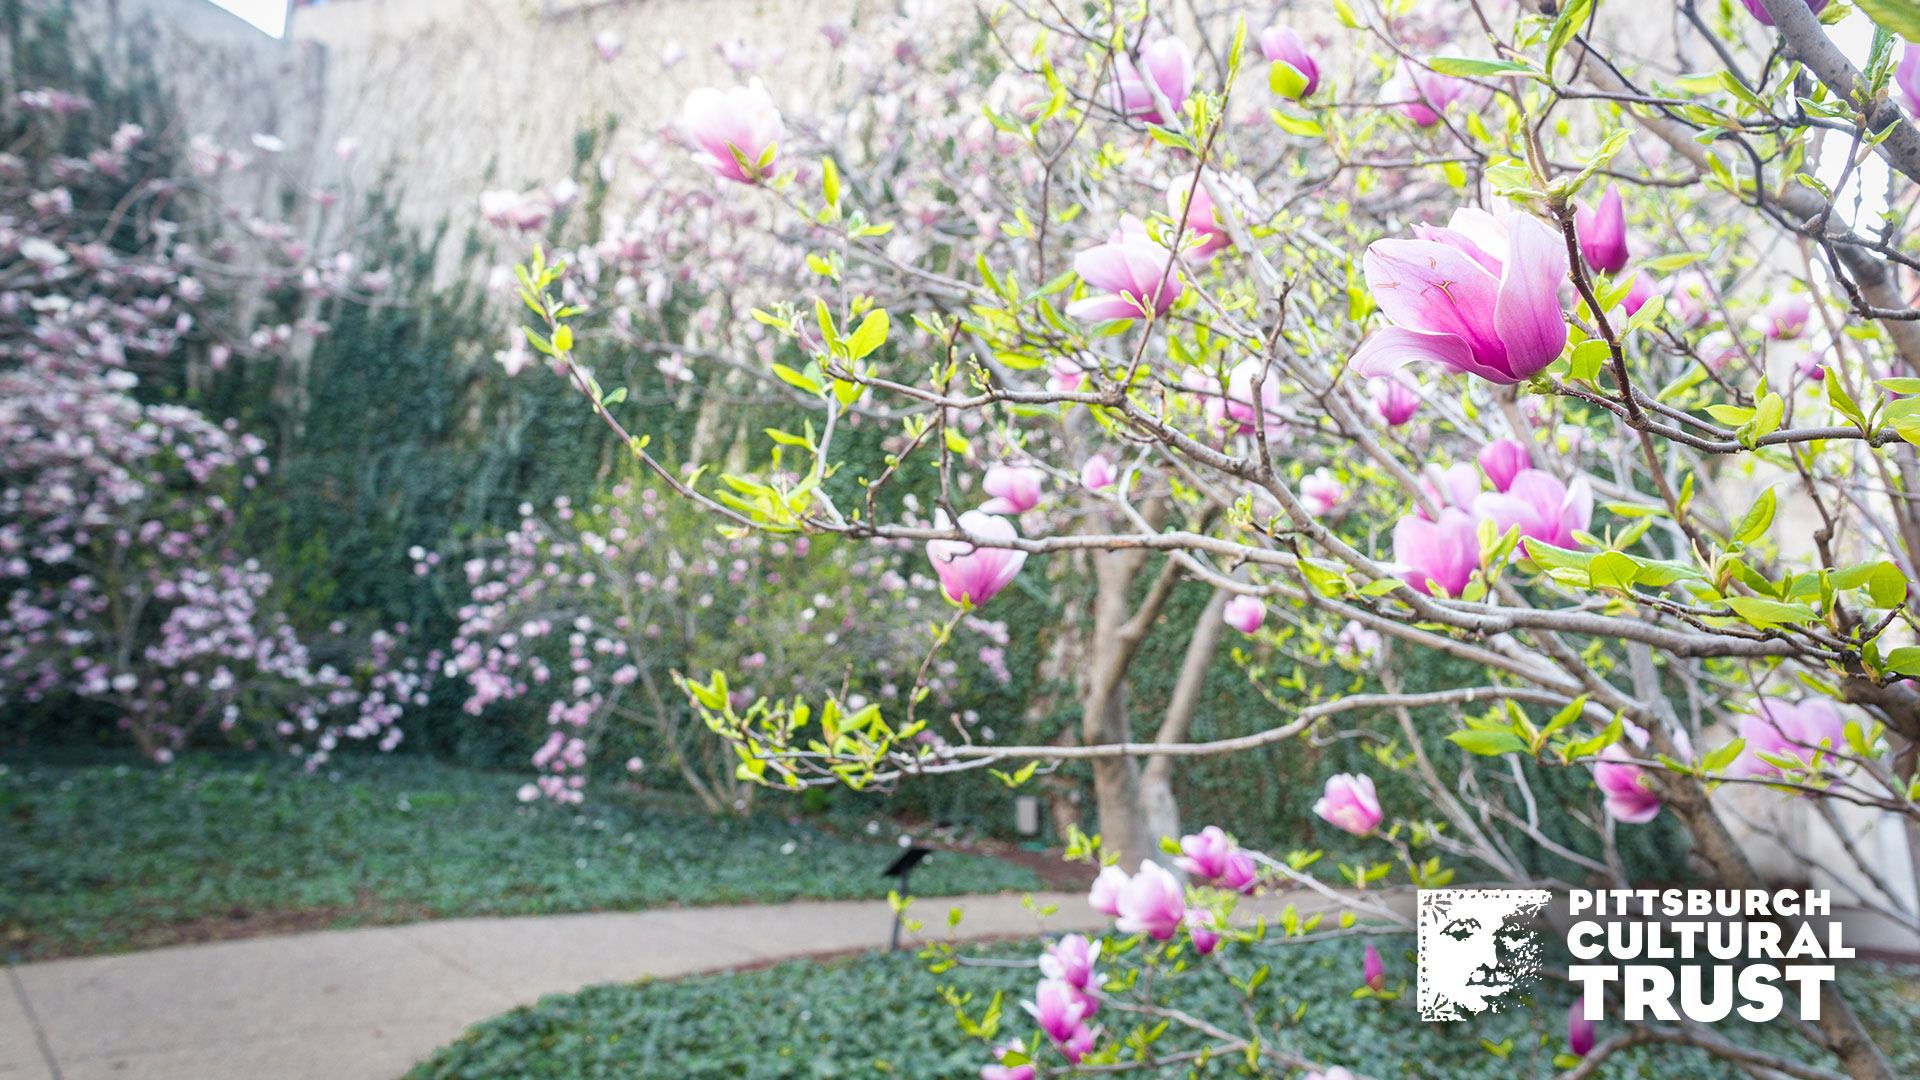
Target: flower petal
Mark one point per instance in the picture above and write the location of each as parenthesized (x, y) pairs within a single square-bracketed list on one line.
[(1527, 314), (1394, 347)]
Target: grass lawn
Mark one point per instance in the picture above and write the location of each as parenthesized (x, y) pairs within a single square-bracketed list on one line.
[(880, 1015), (103, 857)]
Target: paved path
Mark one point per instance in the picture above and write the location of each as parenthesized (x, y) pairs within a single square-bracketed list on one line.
[(367, 1004)]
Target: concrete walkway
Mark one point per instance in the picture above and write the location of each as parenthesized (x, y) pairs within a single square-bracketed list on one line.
[(367, 1004)]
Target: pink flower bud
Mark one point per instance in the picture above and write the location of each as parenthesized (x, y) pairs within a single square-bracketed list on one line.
[(1098, 473), (1349, 804), (1503, 459), (1245, 613), (1394, 400), (1015, 489), (1373, 969), (1579, 1030), (1280, 45), (1104, 897), (1603, 233), (1203, 930), (1629, 795)]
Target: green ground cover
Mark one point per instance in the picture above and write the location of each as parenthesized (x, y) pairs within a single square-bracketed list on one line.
[(881, 1015), (99, 857)]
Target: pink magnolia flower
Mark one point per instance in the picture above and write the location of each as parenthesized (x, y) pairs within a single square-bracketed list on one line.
[(1204, 854), (1786, 317), (1242, 874), (1457, 486), (1015, 489), (1071, 960), (970, 574), (1423, 96), (608, 45), (1104, 897), (1544, 508), (1784, 729), (737, 131), (1642, 289), (1759, 9), (1322, 493), (1098, 473), (1133, 278), (1234, 409), (1603, 233), (1058, 1008), (1065, 376), (1373, 970), (1480, 297), (1169, 63), (1077, 1045), (1504, 459), (1204, 233), (1152, 903), (1357, 642), (1204, 931), (1349, 804), (1579, 1030), (1443, 553), (1280, 45), (1245, 613), (1628, 792), (1906, 78), (1007, 1072), (1393, 399)]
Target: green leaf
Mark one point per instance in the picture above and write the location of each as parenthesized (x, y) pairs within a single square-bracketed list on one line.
[(1763, 613), (1905, 660), (1488, 743), (1296, 125), (830, 182), (1466, 65), (795, 378), (871, 335), (1285, 80), (1759, 518), (1613, 570), (1900, 17), (1904, 417)]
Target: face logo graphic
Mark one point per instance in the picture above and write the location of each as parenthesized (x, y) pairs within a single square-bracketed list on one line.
[(1477, 950)]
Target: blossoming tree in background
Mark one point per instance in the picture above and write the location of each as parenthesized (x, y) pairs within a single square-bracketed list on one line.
[(593, 610), (123, 284), (1486, 332)]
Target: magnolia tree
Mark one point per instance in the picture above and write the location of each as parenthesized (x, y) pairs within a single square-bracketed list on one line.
[(592, 610), (123, 276), (1563, 344)]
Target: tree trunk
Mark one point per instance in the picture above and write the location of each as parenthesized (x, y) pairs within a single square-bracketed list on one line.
[(1116, 780), (1156, 777)]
